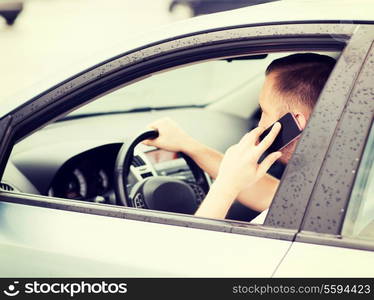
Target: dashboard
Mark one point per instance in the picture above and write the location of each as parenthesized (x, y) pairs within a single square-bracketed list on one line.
[(89, 176)]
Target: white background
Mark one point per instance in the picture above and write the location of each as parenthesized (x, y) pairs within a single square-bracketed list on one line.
[(50, 35)]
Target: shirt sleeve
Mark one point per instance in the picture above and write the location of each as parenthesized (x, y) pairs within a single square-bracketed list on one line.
[(260, 218)]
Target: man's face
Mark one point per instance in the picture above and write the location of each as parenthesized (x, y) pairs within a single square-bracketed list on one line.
[(273, 108)]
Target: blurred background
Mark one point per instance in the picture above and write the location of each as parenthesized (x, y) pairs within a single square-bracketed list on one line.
[(40, 37)]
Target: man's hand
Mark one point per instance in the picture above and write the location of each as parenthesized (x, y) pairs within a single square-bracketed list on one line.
[(171, 136), (239, 167)]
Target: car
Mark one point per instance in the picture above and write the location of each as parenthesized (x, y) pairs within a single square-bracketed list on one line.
[(190, 8), (10, 11), (68, 208)]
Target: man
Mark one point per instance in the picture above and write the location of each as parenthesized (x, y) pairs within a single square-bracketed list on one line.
[(292, 84)]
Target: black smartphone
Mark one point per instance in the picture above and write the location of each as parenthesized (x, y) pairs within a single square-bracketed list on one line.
[(290, 130)]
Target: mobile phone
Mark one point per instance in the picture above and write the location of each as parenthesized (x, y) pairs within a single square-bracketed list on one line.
[(290, 130)]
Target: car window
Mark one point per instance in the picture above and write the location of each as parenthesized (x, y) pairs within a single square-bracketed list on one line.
[(359, 222), (194, 85), (76, 158)]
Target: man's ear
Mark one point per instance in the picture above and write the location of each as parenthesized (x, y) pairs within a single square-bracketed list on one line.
[(301, 119)]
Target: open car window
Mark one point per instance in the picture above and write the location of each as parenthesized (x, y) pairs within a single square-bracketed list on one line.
[(75, 157)]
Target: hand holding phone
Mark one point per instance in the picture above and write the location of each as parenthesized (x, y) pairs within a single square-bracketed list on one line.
[(290, 130)]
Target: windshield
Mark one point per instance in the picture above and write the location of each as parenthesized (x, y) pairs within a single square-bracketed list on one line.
[(193, 85)]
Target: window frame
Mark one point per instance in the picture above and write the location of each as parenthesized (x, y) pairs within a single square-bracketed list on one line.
[(323, 225), (355, 202), (92, 83)]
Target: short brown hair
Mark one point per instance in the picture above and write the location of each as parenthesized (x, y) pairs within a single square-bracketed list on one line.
[(301, 76)]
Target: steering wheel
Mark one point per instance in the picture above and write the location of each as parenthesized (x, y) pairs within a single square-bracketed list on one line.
[(157, 192)]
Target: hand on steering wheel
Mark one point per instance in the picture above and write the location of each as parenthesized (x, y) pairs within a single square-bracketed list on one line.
[(157, 193)]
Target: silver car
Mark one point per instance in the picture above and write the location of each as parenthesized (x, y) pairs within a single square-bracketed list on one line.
[(69, 162)]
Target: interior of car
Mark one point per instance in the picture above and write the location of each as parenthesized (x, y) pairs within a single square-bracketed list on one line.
[(76, 157)]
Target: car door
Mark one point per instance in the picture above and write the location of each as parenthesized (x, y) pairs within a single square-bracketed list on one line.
[(45, 236), (336, 229)]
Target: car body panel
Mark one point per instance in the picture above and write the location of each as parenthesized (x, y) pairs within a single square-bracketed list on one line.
[(310, 260), (47, 242)]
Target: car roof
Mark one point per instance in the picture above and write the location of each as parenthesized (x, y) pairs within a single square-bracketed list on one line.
[(344, 11)]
